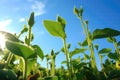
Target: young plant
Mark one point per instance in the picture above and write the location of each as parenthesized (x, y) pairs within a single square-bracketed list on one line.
[(25, 51), (57, 28), (87, 33)]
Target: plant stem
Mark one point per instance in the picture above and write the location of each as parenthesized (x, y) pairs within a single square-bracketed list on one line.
[(29, 35), (53, 67), (24, 69), (90, 45), (67, 57), (116, 47)]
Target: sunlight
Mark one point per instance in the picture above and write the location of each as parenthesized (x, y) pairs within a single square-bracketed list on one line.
[(2, 41)]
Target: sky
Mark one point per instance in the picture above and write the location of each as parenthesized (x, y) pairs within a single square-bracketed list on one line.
[(99, 13)]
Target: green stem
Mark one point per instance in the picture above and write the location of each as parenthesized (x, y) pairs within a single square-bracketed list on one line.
[(24, 69), (90, 45), (116, 47), (53, 67), (47, 69), (29, 35), (67, 57)]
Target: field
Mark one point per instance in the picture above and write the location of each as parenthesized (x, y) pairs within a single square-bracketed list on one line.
[(19, 58)]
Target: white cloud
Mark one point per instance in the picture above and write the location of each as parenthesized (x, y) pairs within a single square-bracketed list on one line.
[(38, 8), (22, 19), (5, 23)]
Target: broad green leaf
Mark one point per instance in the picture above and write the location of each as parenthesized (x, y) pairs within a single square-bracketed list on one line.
[(77, 51), (38, 51), (104, 33), (105, 50), (20, 49), (9, 36), (6, 74), (55, 28), (31, 20), (113, 56), (61, 21)]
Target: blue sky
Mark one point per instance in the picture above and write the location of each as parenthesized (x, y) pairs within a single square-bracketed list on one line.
[(99, 13)]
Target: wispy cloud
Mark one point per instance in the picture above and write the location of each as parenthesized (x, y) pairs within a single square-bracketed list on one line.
[(38, 7), (22, 19), (5, 23)]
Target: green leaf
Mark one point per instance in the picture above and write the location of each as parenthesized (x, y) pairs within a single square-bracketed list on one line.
[(77, 51), (20, 49), (31, 20), (76, 11), (6, 74), (84, 43), (105, 50), (61, 21), (104, 33), (55, 28), (38, 51), (96, 46), (113, 56), (9, 36)]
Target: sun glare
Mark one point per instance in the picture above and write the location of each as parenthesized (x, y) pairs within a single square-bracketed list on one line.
[(2, 41)]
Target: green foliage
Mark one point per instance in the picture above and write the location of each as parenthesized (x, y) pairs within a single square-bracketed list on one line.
[(77, 51), (81, 68), (113, 56), (6, 74), (104, 50), (61, 21), (55, 28), (20, 49), (9, 36), (104, 33), (38, 51), (114, 74)]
